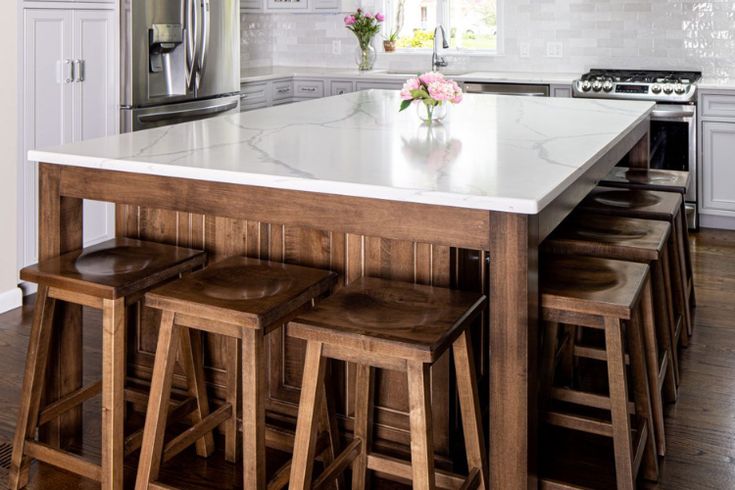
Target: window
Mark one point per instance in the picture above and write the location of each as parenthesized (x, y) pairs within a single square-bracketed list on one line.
[(470, 24)]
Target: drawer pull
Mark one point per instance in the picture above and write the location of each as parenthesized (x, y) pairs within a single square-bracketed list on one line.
[(284, 90), (308, 89)]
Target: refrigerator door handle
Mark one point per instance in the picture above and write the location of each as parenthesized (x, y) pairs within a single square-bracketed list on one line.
[(206, 25), (191, 26), (187, 114)]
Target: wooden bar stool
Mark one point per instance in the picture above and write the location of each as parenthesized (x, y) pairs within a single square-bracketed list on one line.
[(243, 299), (643, 241), (607, 296), (376, 323), (658, 180), (109, 276), (656, 205)]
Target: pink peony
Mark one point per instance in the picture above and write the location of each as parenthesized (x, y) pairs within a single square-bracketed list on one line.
[(430, 77), (411, 84), (349, 20), (368, 15), (441, 90), (379, 17)]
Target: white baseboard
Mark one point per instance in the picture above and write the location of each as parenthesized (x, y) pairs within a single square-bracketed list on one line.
[(720, 222), (10, 300)]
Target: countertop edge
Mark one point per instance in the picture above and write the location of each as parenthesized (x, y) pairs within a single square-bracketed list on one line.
[(510, 205), (281, 73)]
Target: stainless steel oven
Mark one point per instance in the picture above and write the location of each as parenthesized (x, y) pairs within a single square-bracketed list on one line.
[(674, 147), (674, 118)]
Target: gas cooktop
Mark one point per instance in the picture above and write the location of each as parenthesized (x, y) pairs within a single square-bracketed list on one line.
[(662, 86)]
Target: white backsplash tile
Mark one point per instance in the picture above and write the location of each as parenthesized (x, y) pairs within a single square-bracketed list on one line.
[(650, 34)]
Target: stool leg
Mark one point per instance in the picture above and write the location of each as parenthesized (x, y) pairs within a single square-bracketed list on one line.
[(193, 364), (678, 287), (151, 451), (548, 362), (329, 422), (652, 363), (302, 462), (673, 293), (30, 399), (422, 444), (253, 409), (688, 255), (363, 424), (642, 397), (617, 378), (668, 327), (464, 365), (113, 393), (682, 271), (233, 388)]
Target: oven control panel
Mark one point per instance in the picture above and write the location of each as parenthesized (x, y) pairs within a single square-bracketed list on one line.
[(661, 92)]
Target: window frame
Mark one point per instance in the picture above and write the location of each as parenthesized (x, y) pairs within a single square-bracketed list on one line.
[(442, 16)]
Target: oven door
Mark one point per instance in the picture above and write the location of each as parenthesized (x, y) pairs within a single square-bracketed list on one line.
[(674, 146)]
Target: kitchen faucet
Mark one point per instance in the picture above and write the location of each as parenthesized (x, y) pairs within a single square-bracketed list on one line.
[(436, 60)]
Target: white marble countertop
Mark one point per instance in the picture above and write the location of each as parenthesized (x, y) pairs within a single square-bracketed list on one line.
[(499, 153), (711, 83), (276, 72)]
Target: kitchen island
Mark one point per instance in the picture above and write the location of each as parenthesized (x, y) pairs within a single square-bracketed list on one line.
[(349, 184)]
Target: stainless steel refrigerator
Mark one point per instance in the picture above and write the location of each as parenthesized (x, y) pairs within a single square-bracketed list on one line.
[(180, 61)]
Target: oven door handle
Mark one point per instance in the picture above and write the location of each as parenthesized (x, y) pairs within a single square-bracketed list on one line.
[(681, 114)]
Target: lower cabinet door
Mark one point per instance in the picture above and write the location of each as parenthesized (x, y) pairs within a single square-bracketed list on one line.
[(718, 168)]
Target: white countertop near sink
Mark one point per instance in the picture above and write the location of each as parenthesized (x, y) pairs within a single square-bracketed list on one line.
[(276, 72), (497, 153)]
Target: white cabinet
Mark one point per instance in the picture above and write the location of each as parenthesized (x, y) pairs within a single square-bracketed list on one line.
[(718, 168), (69, 94), (298, 6)]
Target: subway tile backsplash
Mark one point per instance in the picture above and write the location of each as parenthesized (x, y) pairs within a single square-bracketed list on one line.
[(653, 34)]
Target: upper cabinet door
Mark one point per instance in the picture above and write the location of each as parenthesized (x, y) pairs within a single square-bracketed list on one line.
[(95, 96), (47, 101)]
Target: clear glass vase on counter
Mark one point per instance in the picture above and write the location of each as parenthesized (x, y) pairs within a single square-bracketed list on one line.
[(431, 114), (365, 57)]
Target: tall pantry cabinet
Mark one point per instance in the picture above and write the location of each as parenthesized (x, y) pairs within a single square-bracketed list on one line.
[(69, 92)]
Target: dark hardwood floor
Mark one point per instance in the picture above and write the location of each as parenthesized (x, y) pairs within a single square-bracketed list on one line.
[(700, 427)]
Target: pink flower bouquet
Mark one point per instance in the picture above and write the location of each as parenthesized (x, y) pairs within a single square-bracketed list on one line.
[(432, 90), (364, 26)]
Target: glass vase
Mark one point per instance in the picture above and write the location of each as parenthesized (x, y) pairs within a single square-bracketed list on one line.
[(365, 57), (431, 114)]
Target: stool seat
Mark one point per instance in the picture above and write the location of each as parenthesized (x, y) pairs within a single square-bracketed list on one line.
[(592, 286), (242, 290), (612, 237), (115, 268), (633, 203), (652, 179), (392, 318)]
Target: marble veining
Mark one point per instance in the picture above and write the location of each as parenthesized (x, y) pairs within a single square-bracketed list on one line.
[(492, 152)]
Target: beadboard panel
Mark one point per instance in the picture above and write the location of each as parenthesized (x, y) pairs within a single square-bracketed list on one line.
[(351, 256)]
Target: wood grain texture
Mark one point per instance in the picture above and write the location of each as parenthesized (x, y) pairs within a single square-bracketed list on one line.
[(60, 231), (514, 281), (349, 255)]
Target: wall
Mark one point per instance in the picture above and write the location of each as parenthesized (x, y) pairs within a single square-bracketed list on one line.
[(594, 33), (10, 296)]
